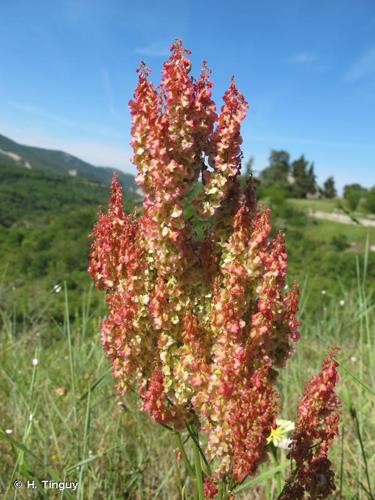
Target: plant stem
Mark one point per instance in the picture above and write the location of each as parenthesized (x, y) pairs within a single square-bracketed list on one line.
[(342, 461), (275, 462), (185, 458), (198, 470), (195, 437), (354, 416)]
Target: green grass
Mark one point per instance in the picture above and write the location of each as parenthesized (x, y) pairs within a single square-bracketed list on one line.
[(323, 205), (335, 205), (80, 430), (324, 230)]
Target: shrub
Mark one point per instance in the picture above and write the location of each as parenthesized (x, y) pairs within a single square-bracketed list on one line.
[(353, 193), (340, 242)]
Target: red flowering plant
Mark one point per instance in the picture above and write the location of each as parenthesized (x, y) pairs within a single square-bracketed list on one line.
[(200, 325), (316, 427)]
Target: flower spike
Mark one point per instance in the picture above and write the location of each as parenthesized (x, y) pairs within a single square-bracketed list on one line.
[(199, 321)]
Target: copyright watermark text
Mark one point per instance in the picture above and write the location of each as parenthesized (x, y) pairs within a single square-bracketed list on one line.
[(46, 484)]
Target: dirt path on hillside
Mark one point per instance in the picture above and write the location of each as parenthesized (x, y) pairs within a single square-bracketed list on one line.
[(342, 218)]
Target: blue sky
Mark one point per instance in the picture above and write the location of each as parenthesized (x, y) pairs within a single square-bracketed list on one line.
[(307, 69)]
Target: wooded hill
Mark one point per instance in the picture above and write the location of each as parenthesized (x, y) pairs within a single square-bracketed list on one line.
[(51, 161)]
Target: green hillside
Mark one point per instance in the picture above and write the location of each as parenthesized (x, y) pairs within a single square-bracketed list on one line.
[(32, 158), (45, 220), (44, 244), (27, 194), (50, 311), (46, 217)]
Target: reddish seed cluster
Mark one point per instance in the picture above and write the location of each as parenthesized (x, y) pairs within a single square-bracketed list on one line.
[(199, 326), (209, 488), (316, 427)]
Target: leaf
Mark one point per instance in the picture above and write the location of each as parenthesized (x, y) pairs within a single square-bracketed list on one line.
[(94, 385), (265, 475), (356, 379), (88, 460)]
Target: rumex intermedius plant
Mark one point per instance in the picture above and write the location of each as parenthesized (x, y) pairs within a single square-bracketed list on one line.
[(316, 427), (200, 325)]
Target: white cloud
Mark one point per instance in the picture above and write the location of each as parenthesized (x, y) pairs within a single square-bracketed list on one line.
[(108, 87), (363, 67), (153, 49), (302, 58)]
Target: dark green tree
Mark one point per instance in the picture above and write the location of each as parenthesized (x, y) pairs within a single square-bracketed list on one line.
[(353, 194), (370, 200), (304, 177), (249, 166), (278, 170), (329, 189)]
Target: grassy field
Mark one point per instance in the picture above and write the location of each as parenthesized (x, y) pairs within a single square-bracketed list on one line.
[(325, 230), (356, 235), (328, 205), (323, 205), (61, 419)]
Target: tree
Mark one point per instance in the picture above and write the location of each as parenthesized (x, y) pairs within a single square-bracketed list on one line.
[(304, 177), (278, 169), (370, 200), (329, 189), (249, 166), (353, 194)]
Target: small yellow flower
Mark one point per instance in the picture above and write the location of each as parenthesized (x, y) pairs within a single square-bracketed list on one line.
[(279, 436)]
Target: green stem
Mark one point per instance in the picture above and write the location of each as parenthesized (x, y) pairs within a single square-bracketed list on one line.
[(342, 461), (198, 470), (223, 491), (275, 462), (267, 488), (354, 416), (178, 475), (195, 437), (185, 458)]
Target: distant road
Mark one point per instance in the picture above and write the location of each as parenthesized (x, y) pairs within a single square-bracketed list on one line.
[(342, 218)]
